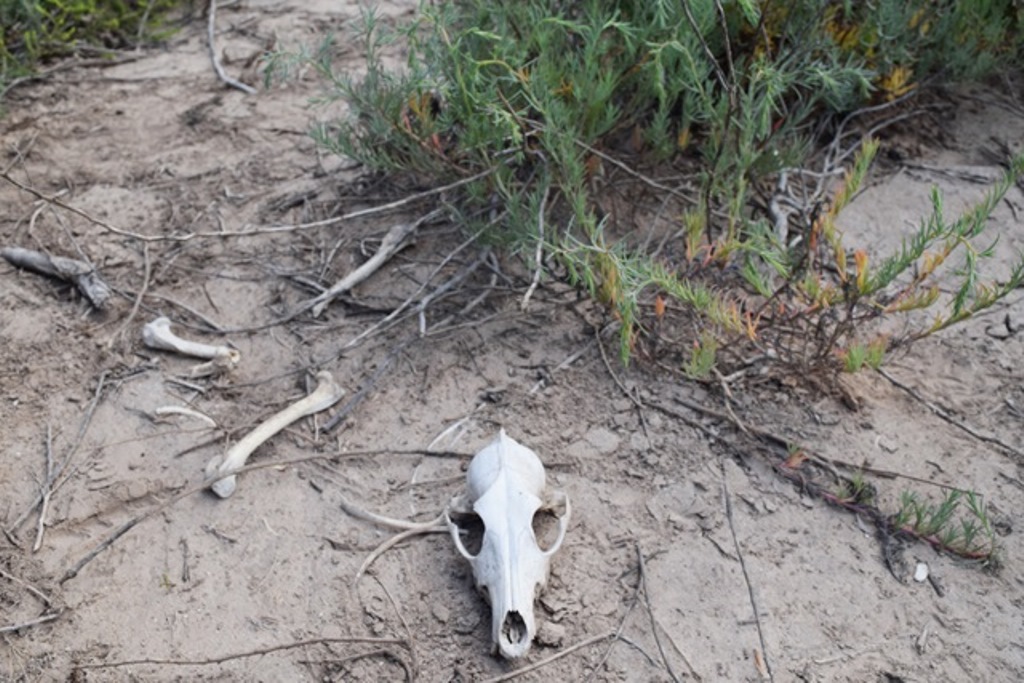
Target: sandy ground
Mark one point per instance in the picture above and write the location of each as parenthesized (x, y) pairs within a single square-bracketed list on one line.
[(260, 586)]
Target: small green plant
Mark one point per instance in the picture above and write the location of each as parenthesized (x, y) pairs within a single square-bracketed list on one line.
[(946, 525), (702, 357)]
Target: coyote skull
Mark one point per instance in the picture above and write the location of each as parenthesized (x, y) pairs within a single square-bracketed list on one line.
[(505, 489)]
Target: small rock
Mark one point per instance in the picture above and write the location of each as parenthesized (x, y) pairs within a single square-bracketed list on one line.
[(440, 612), (603, 440), (921, 572), (551, 635)]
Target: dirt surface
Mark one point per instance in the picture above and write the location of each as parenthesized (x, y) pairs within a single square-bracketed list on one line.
[(745, 577)]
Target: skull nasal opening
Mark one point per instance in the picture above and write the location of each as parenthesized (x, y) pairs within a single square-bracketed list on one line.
[(513, 629)]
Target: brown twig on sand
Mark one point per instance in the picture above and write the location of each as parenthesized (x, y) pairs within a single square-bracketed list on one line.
[(46, 490), (253, 231), (34, 622), (942, 414), (146, 269), (618, 631), (211, 29), (642, 569), (410, 642), (341, 661), (248, 653), (53, 485), (727, 497), (120, 531), (548, 660)]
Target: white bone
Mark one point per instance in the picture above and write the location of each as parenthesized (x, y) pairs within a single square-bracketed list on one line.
[(157, 335), (327, 393), (187, 412), (505, 488)]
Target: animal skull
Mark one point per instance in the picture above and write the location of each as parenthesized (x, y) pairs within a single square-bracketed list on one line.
[(506, 488)]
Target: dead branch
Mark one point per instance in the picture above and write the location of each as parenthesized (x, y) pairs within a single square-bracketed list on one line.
[(146, 270), (548, 660), (34, 622), (727, 497), (942, 414), (255, 230), (79, 273), (120, 531), (211, 28), (248, 653), (642, 570), (52, 485), (46, 490)]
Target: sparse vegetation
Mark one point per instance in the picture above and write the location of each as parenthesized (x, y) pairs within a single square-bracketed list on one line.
[(690, 161), (754, 106), (34, 31)]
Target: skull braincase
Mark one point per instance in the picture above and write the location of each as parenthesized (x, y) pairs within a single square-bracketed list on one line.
[(505, 488)]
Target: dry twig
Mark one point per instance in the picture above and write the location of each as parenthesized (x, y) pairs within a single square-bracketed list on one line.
[(962, 426), (553, 658), (241, 655), (743, 566), (120, 531), (211, 28)]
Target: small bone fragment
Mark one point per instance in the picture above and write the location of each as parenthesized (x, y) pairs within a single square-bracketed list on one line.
[(505, 488), (327, 393), (81, 274), (921, 572), (157, 335), (188, 412)]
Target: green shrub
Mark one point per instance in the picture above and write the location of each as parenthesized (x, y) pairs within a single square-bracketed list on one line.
[(32, 31), (737, 96)]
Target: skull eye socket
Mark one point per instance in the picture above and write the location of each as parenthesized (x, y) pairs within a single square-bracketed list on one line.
[(471, 531), (545, 528)]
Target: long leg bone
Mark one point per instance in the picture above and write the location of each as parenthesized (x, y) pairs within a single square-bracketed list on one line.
[(506, 488), (158, 335), (327, 393)]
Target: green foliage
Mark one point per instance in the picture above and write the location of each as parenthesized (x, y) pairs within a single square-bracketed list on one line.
[(542, 95), (32, 31), (702, 357), (946, 524)]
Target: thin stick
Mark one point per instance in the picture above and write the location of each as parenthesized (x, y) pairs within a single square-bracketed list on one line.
[(27, 624), (253, 231), (539, 255), (249, 653), (210, 30), (410, 642), (28, 586), (949, 418), (618, 632), (146, 268), (120, 531), (555, 657), (47, 489), (436, 526), (642, 568), (67, 458), (743, 566), (396, 239)]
